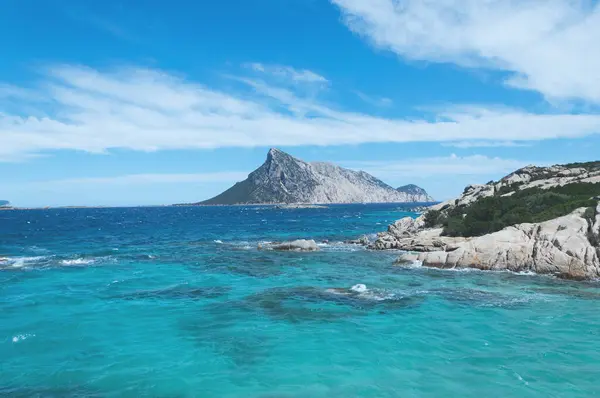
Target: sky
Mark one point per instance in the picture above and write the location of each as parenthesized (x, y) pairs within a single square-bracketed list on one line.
[(148, 102)]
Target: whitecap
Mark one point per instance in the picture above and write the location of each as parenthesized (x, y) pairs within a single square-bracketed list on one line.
[(20, 262), (361, 291), (78, 261), (219, 242), (21, 337), (342, 247), (359, 288)]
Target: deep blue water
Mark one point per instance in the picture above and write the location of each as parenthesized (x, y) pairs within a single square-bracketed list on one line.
[(178, 302)]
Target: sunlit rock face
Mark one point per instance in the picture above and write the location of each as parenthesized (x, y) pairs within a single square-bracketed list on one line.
[(285, 179)]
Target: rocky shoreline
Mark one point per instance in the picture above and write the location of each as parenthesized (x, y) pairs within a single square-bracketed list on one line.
[(566, 247)]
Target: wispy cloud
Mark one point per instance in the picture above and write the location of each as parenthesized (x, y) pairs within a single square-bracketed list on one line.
[(375, 101), (485, 144), (136, 179), (440, 166), (103, 23), (288, 73), (149, 110), (544, 45), (129, 179), (9, 91)]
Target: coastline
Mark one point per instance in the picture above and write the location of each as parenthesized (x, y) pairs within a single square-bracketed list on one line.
[(541, 220), (274, 205)]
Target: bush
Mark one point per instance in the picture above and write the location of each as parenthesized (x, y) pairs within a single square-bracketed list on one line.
[(590, 213), (494, 213), (432, 218)]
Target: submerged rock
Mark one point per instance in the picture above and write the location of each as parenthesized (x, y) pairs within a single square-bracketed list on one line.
[(302, 245), (297, 304), (176, 292)]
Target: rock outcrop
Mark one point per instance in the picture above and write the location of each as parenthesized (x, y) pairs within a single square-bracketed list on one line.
[(285, 179), (567, 246), (300, 245), (564, 247)]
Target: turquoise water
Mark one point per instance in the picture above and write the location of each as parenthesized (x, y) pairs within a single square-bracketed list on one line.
[(177, 302)]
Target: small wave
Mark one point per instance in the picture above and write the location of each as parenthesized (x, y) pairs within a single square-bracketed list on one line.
[(36, 249), (360, 291), (21, 262), (341, 247), (78, 261), (218, 242), (91, 260), (21, 337)]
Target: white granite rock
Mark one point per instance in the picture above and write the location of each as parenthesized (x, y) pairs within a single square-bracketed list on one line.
[(560, 246)]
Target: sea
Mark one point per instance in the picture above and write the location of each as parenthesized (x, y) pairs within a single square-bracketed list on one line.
[(179, 302)]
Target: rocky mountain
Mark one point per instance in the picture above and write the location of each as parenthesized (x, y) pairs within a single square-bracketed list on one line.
[(536, 219), (284, 179), (417, 193)]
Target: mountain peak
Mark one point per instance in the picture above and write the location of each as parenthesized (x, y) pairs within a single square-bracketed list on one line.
[(286, 179), (275, 153)]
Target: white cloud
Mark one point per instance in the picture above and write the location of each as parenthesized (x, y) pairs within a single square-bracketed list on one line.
[(547, 46), (142, 179), (453, 165), (375, 101), (485, 144), (149, 110), (287, 72)]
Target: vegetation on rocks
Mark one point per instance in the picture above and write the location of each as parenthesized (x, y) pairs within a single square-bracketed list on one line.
[(532, 205)]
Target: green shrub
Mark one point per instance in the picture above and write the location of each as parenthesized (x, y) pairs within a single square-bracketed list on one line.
[(494, 213), (590, 213), (432, 218)]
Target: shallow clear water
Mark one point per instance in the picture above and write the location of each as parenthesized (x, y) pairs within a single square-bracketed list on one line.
[(177, 302)]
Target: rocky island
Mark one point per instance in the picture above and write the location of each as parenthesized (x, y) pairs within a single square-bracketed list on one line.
[(417, 193), (284, 179), (537, 219)]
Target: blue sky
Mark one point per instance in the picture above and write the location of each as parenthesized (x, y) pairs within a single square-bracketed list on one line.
[(155, 102)]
